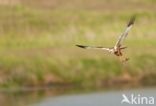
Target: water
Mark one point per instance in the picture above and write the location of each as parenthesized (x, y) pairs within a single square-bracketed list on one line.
[(57, 97), (110, 98)]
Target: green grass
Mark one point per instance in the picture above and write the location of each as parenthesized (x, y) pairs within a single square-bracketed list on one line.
[(38, 42)]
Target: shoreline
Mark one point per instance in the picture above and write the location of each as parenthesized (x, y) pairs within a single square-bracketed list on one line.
[(124, 81)]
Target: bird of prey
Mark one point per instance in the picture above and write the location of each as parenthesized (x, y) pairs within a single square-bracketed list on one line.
[(116, 50)]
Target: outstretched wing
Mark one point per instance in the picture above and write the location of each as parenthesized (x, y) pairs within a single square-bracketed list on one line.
[(91, 47), (125, 33)]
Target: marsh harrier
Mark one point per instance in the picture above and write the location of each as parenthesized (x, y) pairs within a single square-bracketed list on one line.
[(117, 49)]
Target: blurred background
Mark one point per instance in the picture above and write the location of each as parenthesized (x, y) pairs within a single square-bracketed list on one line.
[(37, 47)]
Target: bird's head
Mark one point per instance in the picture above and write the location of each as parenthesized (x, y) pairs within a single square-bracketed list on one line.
[(111, 51)]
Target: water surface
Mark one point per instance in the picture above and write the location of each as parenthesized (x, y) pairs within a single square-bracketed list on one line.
[(109, 98), (64, 97)]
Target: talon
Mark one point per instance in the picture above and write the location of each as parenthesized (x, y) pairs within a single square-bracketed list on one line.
[(125, 60)]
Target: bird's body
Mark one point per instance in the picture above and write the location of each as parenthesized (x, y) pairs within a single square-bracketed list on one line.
[(117, 49)]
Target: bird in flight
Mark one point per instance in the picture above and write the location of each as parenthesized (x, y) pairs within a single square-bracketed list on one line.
[(117, 49)]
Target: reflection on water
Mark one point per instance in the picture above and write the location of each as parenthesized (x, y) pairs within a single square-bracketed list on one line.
[(18, 98), (25, 97), (61, 97)]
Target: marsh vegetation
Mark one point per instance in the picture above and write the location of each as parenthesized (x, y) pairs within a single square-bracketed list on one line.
[(37, 42)]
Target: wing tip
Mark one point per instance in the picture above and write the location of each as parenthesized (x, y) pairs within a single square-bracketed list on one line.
[(131, 22), (81, 46)]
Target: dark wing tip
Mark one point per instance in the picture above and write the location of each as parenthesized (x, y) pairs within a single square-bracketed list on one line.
[(81, 46), (131, 22)]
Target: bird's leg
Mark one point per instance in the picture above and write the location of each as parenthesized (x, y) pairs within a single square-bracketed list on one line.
[(125, 59), (122, 58)]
